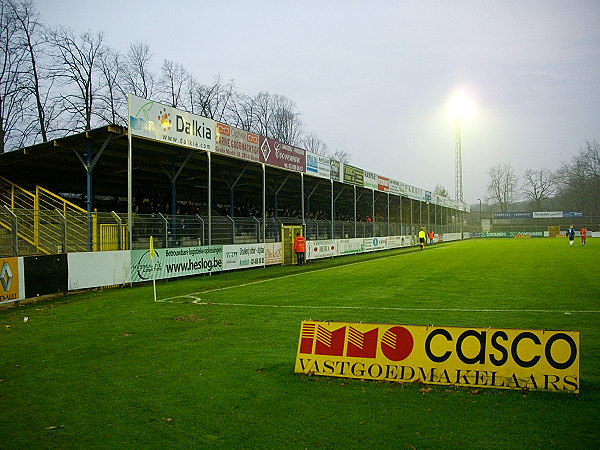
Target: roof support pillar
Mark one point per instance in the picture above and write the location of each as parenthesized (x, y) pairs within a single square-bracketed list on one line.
[(209, 199), (89, 151)]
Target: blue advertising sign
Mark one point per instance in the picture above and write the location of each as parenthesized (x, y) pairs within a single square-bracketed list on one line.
[(513, 215)]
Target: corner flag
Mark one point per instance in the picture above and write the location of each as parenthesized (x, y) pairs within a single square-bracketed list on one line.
[(152, 255)]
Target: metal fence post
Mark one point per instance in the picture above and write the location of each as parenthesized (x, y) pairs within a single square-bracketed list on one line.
[(120, 229), (202, 223), (232, 229), (63, 221), (257, 230), (166, 230)]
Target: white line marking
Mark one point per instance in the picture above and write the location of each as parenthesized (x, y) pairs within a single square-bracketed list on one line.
[(167, 300), (199, 301)]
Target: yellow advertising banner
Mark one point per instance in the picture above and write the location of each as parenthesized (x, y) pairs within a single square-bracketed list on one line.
[(9, 280), (475, 357)]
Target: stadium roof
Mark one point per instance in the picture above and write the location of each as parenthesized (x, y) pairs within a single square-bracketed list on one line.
[(59, 166)]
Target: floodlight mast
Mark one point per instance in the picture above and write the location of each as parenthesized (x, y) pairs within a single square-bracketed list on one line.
[(458, 165)]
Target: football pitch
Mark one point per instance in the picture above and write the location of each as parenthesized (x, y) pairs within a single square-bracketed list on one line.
[(211, 364)]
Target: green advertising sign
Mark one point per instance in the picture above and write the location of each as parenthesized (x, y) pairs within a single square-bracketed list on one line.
[(175, 262)]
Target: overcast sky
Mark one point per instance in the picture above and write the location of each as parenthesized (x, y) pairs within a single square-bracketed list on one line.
[(374, 78)]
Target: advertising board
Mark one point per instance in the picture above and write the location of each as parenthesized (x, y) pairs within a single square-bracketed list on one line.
[(321, 249), (370, 180), (460, 356), (12, 287), (383, 184), (152, 120), (336, 170), (236, 143), (280, 155), (242, 256), (318, 165), (353, 175), (175, 262)]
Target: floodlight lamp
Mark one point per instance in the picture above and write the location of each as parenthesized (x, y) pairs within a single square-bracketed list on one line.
[(460, 105)]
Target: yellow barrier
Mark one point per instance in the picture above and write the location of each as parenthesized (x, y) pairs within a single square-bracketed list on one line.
[(40, 224), (109, 237), (22, 203)]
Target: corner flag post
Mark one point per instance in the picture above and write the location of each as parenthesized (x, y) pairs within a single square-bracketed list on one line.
[(152, 255)]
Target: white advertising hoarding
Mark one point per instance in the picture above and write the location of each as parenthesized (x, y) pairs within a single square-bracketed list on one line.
[(243, 256), (400, 241), (350, 246), (374, 243), (93, 269), (370, 180), (273, 253), (175, 262), (318, 165), (547, 214), (152, 120), (321, 249)]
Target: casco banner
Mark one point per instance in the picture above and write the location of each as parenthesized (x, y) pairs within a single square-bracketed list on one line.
[(476, 357)]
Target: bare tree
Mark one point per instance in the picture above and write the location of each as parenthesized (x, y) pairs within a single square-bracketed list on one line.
[(263, 110), (579, 181), (502, 186), (441, 191), (191, 84), (538, 186), (11, 75), (341, 156), (241, 112), (313, 143), (76, 60), (174, 79), (136, 74), (284, 122), (112, 104), (32, 82), (212, 100)]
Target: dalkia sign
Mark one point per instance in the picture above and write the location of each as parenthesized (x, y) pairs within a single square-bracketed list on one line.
[(152, 120), (476, 357)]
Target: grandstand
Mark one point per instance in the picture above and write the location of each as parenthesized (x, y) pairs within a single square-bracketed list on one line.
[(85, 176)]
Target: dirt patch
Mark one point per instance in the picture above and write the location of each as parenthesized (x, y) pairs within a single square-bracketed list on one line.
[(190, 318)]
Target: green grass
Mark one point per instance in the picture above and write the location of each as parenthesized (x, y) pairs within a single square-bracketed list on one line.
[(112, 369)]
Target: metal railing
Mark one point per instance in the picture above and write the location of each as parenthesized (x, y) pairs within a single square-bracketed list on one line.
[(9, 231), (22, 203), (46, 222), (68, 230), (62, 223)]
